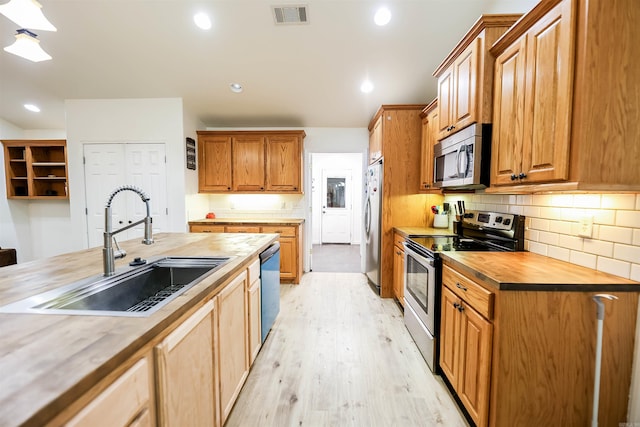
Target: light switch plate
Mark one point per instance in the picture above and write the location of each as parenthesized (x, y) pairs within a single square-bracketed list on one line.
[(585, 226)]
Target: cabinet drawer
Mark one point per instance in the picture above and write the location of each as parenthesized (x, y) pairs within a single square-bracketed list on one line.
[(282, 230), (475, 295), (201, 228), (398, 240), (254, 271), (242, 229)]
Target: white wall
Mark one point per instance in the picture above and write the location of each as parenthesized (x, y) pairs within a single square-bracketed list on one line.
[(339, 161), (158, 120), (35, 228)]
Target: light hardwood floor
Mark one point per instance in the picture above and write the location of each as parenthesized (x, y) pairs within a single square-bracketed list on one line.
[(339, 355)]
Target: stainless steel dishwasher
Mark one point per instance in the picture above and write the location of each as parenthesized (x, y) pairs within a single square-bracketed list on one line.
[(269, 287)]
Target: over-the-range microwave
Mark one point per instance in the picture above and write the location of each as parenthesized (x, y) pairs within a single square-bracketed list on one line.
[(463, 160)]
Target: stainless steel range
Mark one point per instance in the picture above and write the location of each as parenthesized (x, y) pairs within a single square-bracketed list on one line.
[(478, 231)]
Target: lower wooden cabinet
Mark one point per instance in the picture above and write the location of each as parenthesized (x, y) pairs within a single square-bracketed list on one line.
[(398, 268), (465, 346), (254, 310), (126, 402), (185, 371), (290, 242), (232, 342)]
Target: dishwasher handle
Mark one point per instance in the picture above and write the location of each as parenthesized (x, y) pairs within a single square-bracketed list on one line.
[(269, 252)]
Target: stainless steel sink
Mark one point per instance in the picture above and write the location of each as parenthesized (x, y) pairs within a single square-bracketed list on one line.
[(137, 292)]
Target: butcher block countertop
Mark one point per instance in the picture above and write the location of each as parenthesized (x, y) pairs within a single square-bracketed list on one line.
[(47, 361), (268, 221), (423, 231), (526, 271)]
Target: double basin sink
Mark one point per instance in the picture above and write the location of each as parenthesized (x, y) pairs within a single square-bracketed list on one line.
[(137, 292)]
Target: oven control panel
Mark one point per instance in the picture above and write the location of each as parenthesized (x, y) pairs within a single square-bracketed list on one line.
[(498, 221)]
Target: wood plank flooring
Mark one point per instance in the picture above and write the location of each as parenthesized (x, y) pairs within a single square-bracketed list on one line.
[(338, 355)]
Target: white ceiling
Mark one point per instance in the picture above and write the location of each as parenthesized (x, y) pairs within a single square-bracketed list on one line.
[(295, 75)]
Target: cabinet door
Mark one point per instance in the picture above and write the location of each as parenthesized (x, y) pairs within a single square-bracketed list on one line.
[(288, 258), (248, 163), (284, 164), (375, 140), (465, 72), (476, 335), (214, 164), (429, 139), (508, 112), (186, 377), (254, 320), (398, 274), (123, 403), (445, 100), (449, 329), (232, 343), (548, 96)]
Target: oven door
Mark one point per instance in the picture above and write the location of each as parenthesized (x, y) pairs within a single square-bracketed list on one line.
[(420, 287)]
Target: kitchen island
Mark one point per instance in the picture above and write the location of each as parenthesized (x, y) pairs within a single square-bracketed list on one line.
[(52, 366), (518, 339)]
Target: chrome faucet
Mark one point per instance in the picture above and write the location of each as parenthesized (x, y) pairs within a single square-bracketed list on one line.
[(108, 254)]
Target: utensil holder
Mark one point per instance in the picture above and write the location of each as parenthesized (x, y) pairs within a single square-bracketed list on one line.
[(441, 221)]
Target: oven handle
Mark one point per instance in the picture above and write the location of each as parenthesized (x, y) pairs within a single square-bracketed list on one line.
[(421, 259)]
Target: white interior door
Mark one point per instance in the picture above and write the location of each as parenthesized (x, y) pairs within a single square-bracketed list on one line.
[(336, 206), (109, 166)]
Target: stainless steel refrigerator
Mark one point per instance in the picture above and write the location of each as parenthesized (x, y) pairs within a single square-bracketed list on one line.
[(372, 223)]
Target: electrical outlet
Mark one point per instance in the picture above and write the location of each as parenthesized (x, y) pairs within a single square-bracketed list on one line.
[(585, 226)]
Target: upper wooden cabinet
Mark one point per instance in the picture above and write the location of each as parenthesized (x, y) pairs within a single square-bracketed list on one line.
[(564, 115), (214, 163), (375, 140), (429, 138), (465, 77), (250, 161), (36, 169)]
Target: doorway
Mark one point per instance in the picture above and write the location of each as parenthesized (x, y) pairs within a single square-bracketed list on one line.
[(336, 211)]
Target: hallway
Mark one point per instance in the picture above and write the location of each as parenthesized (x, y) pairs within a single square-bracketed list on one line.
[(338, 355)]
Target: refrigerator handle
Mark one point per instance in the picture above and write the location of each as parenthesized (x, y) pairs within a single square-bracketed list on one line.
[(367, 217)]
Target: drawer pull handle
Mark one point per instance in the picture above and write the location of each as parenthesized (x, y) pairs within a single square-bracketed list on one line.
[(459, 286)]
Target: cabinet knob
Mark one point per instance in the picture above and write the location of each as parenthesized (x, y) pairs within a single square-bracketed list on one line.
[(228, 188), (459, 286), (522, 175), (514, 177)]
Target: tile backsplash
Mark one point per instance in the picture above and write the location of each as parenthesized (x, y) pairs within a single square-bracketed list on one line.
[(553, 223)]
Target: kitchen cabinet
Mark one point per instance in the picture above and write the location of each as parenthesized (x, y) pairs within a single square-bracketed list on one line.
[(465, 77), (429, 138), (375, 140), (284, 163), (398, 268), (466, 336), (232, 343), (250, 161), (399, 128), (187, 381), (214, 163), (124, 403), (568, 128), (36, 169), (290, 242), (519, 327), (254, 310)]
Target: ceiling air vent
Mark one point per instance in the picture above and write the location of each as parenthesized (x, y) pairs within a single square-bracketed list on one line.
[(290, 14)]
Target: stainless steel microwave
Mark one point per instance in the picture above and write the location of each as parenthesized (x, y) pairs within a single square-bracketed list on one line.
[(463, 160)]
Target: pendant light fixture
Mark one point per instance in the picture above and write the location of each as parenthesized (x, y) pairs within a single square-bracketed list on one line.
[(27, 14), (28, 46)]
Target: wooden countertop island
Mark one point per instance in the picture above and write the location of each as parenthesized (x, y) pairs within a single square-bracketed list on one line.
[(50, 361)]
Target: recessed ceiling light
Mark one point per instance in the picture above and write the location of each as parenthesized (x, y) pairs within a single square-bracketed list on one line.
[(366, 86), (236, 87), (382, 16), (202, 20), (32, 107)]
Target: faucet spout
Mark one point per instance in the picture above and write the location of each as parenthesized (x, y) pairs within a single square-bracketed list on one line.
[(108, 254)]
